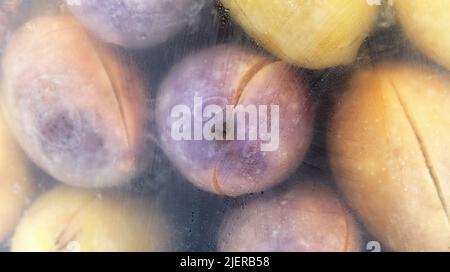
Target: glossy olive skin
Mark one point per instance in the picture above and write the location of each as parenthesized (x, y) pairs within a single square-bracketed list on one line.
[(77, 109), (136, 24), (308, 216), (231, 76)]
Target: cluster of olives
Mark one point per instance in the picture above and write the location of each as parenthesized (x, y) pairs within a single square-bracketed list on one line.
[(77, 107)]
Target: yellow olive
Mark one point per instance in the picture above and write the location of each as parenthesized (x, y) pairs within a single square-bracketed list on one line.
[(389, 148), (71, 219), (426, 24), (16, 186), (311, 34)]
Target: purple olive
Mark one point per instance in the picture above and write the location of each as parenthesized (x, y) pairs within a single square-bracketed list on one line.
[(306, 217), (77, 109), (135, 23), (234, 122)]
